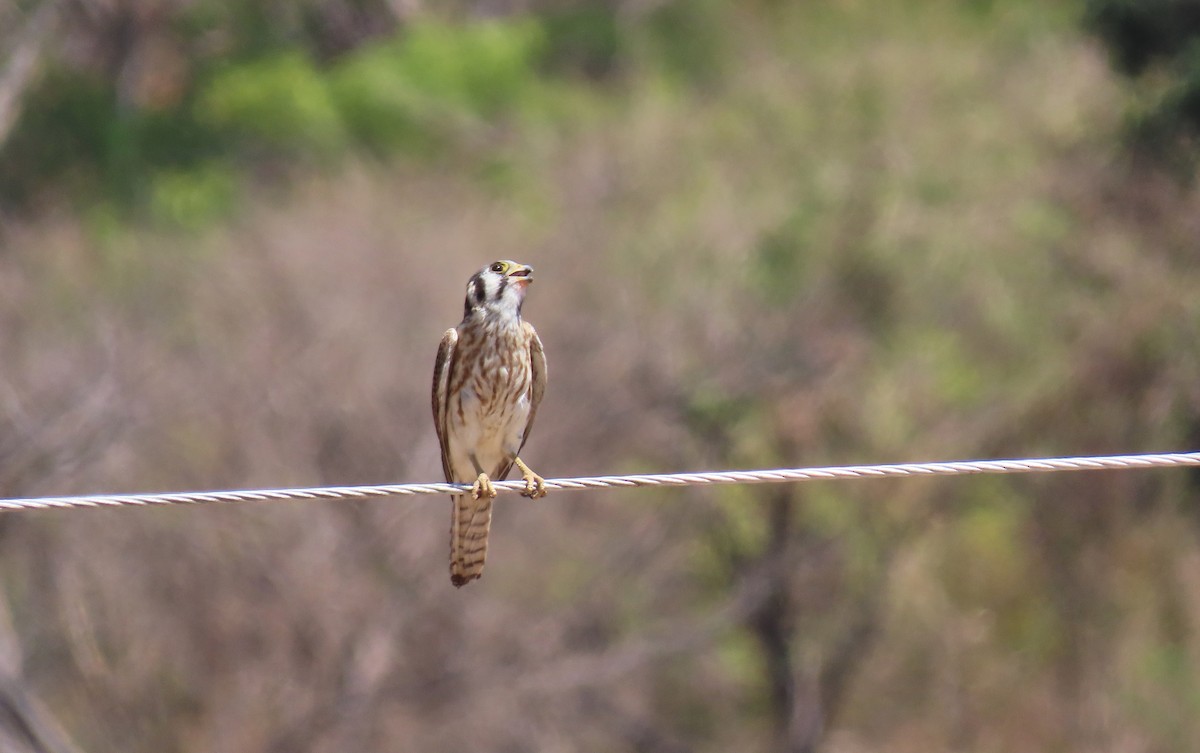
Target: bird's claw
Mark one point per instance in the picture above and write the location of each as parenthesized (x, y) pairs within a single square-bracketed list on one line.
[(483, 488), (535, 485)]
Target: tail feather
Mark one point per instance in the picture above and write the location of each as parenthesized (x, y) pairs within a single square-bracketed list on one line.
[(469, 525)]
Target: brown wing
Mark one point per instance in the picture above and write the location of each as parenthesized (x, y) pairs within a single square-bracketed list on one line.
[(537, 365), (441, 394)]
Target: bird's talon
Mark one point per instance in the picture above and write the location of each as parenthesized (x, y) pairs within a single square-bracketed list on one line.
[(535, 486), (483, 488)]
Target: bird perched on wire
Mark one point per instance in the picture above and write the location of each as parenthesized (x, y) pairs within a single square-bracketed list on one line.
[(488, 380)]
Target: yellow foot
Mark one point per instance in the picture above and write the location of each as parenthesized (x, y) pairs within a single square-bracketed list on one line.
[(483, 488), (535, 485)]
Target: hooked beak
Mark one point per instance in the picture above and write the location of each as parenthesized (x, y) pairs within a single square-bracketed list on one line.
[(523, 275)]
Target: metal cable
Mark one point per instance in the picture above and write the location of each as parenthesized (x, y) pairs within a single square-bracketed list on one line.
[(956, 468)]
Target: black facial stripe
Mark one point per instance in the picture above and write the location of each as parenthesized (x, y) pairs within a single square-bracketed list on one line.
[(503, 285), (480, 290), (475, 293)]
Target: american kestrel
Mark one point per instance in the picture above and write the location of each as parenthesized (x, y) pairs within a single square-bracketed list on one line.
[(488, 380)]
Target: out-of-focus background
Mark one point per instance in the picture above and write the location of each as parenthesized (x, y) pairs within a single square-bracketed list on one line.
[(766, 233)]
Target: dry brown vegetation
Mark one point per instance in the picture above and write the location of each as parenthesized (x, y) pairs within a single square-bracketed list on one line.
[(880, 236)]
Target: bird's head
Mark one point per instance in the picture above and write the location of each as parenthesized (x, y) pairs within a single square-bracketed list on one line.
[(499, 287)]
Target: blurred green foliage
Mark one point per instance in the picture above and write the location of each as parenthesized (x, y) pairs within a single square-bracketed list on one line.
[(279, 96), (413, 93), (281, 103), (586, 40), (1158, 42), (690, 39), (409, 94)]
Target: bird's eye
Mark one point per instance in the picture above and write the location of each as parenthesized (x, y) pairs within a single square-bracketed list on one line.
[(498, 267)]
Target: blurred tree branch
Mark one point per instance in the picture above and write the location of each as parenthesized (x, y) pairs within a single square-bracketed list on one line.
[(752, 589), (21, 69), (25, 725)]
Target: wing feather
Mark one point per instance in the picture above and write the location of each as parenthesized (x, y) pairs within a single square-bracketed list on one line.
[(442, 368), (537, 367)]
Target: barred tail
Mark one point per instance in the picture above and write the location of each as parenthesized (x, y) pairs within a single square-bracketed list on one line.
[(469, 525)]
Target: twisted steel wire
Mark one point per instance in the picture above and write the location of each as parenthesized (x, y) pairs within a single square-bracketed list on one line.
[(782, 475)]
